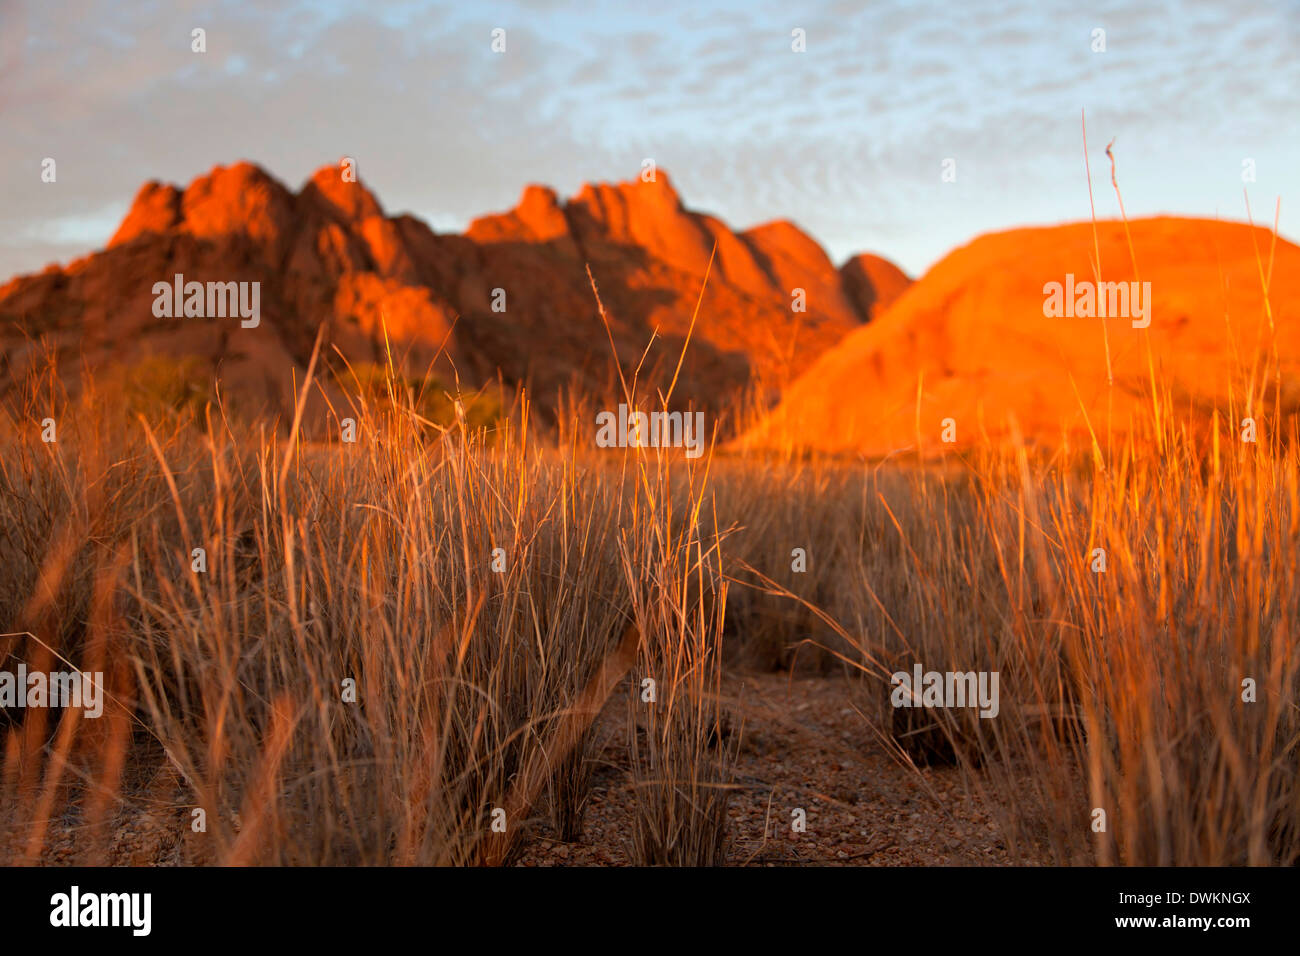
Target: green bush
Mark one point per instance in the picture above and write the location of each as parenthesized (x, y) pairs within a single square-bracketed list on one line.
[(429, 397)]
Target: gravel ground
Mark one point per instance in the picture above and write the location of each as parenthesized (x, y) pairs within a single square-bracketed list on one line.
[(801, 743)]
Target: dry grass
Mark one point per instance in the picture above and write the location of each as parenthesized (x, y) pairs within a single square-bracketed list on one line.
[(472, 587), (1120, 690)]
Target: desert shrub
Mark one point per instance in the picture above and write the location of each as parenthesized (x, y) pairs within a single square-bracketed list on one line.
[(430, 398)]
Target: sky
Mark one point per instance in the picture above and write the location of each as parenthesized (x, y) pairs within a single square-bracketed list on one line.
[(848, 138)]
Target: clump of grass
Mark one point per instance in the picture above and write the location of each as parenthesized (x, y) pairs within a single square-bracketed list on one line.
[(383, 632), (681, 758)]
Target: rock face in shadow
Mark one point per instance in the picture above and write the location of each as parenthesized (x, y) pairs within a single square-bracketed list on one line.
[(872, 283), (970, 341), (509, 300)]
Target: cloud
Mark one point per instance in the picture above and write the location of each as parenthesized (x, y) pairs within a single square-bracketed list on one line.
[(846, 138)]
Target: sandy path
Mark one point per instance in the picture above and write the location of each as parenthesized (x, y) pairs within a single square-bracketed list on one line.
[(803, 745)]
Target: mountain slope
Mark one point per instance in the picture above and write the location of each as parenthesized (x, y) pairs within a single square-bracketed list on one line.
[(510, 298), (971, 335)]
